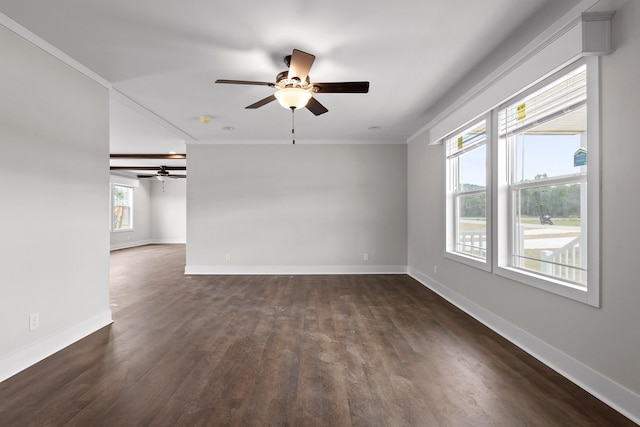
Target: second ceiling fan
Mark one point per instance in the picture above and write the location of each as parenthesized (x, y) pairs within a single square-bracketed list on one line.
[(295, 89)]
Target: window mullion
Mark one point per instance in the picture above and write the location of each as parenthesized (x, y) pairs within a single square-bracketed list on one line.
[(565, 179)]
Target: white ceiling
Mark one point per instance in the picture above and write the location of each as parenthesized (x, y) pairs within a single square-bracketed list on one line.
[(163, 57)]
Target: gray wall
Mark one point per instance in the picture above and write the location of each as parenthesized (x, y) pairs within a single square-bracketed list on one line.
[(296, 205), (606, 340), (169, 211), (54, 134)]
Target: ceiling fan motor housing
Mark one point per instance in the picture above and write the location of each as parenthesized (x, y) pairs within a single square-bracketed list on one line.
[(282, 81)]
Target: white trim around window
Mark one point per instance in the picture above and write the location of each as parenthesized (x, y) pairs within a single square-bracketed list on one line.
[(506, 221), (589, 291), (121, 208), (467, 239)]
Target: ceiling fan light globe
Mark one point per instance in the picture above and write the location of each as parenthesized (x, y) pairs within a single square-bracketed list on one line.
[(293, 97)]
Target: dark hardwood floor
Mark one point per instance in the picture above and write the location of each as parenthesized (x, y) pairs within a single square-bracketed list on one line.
[(369, 350)]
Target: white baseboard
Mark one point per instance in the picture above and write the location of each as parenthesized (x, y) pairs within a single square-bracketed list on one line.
[(294, 269), (613, 394), (168, 241), (148, 242), (23, 359), (127, 245)]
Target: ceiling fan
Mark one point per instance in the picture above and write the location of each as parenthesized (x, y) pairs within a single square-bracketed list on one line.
[(295, 89), (163, 174)]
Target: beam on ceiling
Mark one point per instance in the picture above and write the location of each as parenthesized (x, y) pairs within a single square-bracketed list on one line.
[(149, 156)]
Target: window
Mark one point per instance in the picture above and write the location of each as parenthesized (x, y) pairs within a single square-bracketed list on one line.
[(542, 133), (541, 198), (466, 207), (122, 206)]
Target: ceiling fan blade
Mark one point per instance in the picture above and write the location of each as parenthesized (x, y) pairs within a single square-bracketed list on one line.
[(245, 82), (315, 107), (262, 102), (343, 87), (300, 64), (164, 176)]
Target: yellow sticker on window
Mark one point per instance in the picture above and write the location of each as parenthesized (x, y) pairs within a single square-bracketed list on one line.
[(459, 143), (521, 112)]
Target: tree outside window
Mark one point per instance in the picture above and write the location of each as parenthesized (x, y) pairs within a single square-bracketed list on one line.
[(121, 215)]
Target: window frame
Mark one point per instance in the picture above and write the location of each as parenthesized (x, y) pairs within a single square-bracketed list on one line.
[(113, 206), (503, 201), (500, 201), (450, 209)]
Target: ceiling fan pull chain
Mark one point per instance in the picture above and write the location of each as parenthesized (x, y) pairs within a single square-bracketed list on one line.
[(293, 124)]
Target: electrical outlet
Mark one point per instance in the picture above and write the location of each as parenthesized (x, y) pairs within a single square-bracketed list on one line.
[(435, 269), (366, 257), (228, 256), (34, 321)]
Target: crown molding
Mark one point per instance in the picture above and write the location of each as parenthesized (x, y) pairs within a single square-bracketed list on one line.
[(39, 42)]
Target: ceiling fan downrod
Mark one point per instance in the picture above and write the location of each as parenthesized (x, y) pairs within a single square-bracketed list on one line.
[(293, 124)]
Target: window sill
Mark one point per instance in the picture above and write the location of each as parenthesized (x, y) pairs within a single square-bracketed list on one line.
[(127, 230), (557, 287)]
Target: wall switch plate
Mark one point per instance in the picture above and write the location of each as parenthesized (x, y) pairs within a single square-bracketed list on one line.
[(34, 321), (228, 257), (366, 257)]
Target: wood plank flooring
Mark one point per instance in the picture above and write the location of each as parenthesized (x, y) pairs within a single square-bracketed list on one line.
[(362, 350)]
